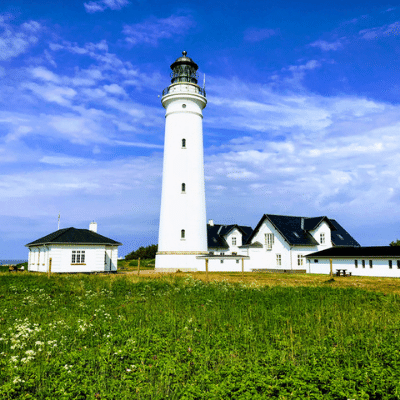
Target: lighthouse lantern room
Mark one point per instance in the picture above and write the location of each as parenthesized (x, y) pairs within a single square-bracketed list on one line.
[(183, 229)]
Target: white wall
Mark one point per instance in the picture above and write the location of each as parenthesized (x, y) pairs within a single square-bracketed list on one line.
[(289, 254), (380, 267), (61, 256), (316, 233)]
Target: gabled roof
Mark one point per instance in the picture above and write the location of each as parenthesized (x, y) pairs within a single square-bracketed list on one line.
[(357, 252), (75, 236), (216, 234), (340, 237), (295, 230)]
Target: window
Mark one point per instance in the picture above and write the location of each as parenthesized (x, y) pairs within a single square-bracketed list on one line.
[(183, 187), (237, 261), (363, 263), (300, 259), (222, 254), (211, 253), (322, 238), (269, 240), (234, 254), (233, 241), (78, 257), (315, 260), (105, 258), (182, 234), (398, 264), (356, 263), (278, 259), (183, 143), (390, 264), (370, 263), (222, 261), (183, 105)]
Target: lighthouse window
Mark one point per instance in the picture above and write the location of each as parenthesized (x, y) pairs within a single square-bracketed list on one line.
[(183, 187), (183, 143), (182, 234)]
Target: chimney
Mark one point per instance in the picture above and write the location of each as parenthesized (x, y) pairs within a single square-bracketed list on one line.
[(211, 222), (302, 223), (93, 227)]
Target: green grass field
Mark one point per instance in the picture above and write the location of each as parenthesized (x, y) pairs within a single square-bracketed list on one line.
[(177, 337)]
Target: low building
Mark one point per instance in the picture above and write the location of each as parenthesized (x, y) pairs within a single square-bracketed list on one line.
[(73, 250), (381, 261), (279, 242)]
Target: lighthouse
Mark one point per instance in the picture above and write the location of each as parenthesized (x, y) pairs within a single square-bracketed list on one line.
[(183, 226)]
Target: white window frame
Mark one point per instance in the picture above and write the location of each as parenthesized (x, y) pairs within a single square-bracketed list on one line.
[(269, 240), (300, 260), (322, 238), (234, 241), (278, 260), (78, 257)]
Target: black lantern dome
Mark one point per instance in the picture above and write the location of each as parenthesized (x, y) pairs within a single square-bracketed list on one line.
[(184, 69)]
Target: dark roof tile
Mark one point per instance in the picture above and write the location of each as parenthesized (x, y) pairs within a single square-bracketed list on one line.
[(73, 235)]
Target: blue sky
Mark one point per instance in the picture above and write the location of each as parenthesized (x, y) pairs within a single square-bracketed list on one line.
[(302, 116)]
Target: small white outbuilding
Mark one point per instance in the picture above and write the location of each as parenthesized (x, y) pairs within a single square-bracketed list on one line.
[(73, 250)]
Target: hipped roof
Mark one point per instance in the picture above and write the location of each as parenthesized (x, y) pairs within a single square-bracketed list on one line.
[(75, 236)]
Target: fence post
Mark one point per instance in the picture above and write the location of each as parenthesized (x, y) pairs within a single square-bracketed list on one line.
[(207, 269), (49, 271)]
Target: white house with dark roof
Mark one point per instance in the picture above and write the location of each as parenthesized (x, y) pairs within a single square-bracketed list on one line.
[(73, 250), (381, 261), (279, 242)]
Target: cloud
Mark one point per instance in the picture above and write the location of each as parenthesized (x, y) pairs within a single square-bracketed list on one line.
[(257, 35), (101, 5), (385, 30), (154, 29), (327, 46), (17, 40), (65, 161)]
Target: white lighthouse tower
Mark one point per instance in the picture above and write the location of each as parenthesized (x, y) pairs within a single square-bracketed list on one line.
[(183, 226)]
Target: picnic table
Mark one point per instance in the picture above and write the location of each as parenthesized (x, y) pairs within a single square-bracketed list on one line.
[(342, 271)]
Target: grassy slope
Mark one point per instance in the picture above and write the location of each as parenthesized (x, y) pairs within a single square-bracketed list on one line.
[(275, 336)]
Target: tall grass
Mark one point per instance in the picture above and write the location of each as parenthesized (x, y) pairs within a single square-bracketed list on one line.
[(112, 337)]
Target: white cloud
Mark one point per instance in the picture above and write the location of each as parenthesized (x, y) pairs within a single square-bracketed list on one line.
[(101, 5), (257, 35), (64, 161), (154, 29), (326, 46), (385, 30), (114, 89)]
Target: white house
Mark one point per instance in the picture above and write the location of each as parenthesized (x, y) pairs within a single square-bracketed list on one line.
[(382, 261), (73, 250), (279, 242)]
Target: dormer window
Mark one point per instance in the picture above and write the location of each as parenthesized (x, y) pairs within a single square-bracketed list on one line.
[(322, 238), (234, 241)]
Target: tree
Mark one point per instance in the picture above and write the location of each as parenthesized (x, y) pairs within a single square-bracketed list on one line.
[(144, 253), (395, 243)]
